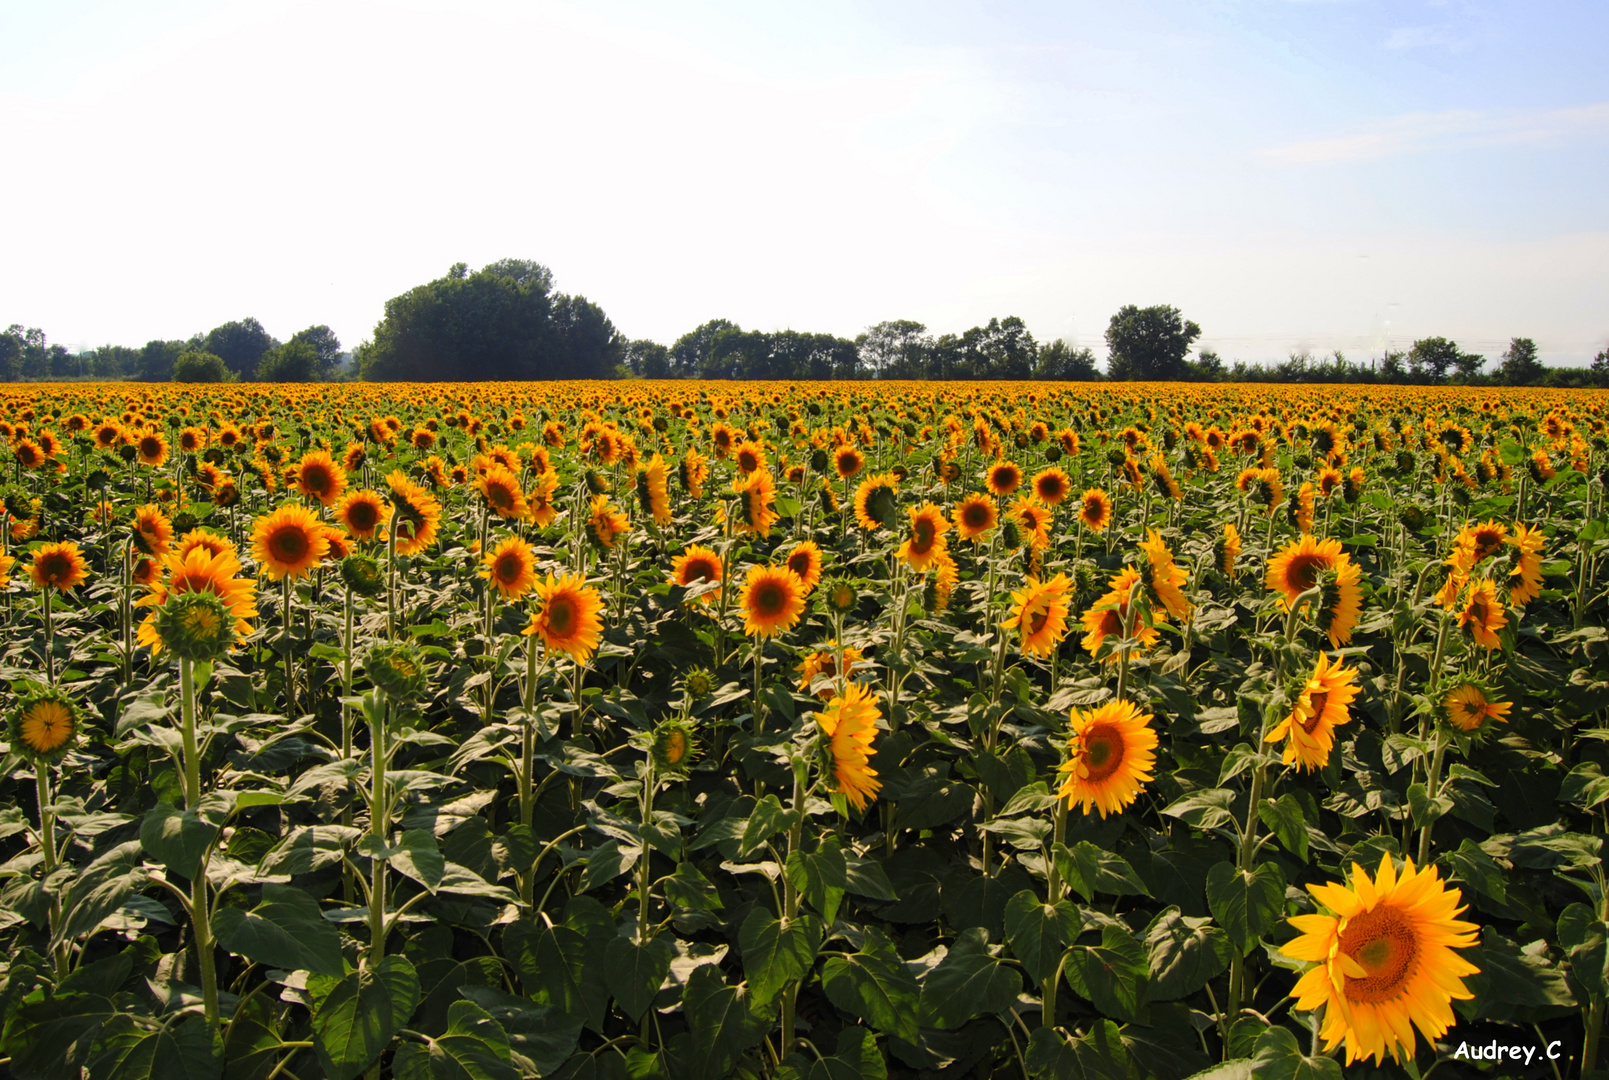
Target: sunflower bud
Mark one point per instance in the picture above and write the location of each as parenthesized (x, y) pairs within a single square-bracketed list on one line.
[(44, 725), (673, 746), (840, 595), (1053, 454), (1010, 534), (363, 575), (699, 684), (195, 626), (17, 505), (1411, 516), (1116, 456), (1405, 462), (819, 461), (595, 483), (398, 669)]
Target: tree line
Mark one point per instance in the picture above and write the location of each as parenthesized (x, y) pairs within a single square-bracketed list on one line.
[(506, 322)]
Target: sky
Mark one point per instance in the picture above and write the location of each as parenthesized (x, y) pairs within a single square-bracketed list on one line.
[(1321, 175)]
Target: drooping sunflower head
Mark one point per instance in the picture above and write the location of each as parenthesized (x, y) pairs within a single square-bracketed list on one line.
[(673, 746), (44, 725), (773, 600), (1321, 706), (849, 725), (288, 542), (363, 574), (1164, 579), (1226, 551), (398, 668), (975, 516), (510, 568), (567, 618), (60, 566), (1111, 754), (1162, 478)]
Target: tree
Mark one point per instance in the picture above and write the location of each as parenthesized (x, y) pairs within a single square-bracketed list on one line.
[(325, 344), (241, 344), (644, 359), (294, 361), (1059, 361), (12, 343), (501, 322), (897, 349), (1598, 373), (1208, 367), (1149, 343), (1469, 366), (1520, 365), (157, 359), (1003, 349), (1432, 357), (200, 367), (1391, 369), (690, 353)]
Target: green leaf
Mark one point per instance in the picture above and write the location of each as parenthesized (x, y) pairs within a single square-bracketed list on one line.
[(1285, 817), (1585, 785), (1110, 975), (1183, 954), (1583, 935), (178, 839), (821, 876), (634, 972), (723, 1026), (968, 982), (101, 888), (1476, 869), (606, 862), (52, 1037), (538, 1033), (1425, 810), (189, 1050), (856, 1058), (866, 877), (475, 1047), (557, 967), (1097, 1055), (875, 985), (285, 930), (1209, 809), (768, 819), (1039, 933), (688, 888), (776, 952), (1278, 1056), (1513, 984), (356, 1017), (1089, 869), (1246, 903)]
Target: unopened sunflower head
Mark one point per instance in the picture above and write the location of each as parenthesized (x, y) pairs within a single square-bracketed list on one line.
[(398, 669), (363, 574), (196, 626), (673, 746), (44, 725)]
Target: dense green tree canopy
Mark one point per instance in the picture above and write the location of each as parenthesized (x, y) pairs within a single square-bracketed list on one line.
[(241, 344), (195, 366), (1149, 343)]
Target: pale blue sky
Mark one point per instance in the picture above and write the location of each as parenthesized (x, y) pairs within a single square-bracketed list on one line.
[(1325, 175)]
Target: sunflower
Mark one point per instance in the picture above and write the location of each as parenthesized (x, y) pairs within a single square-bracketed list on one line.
[(1469, 706), (850, 724), (1033, 520), (566, 618), (1227, 550), (695, 566), (692, 471), (758, 495), (1527, 543), (199, 568), (151, 448), (59, 566), (501, 490), (1106, 616), (975, 515), (543, 489), (416, 512), (510, 567), (1300, 508), (1162, 478), (653, 490), (1002, 478), (928, 526), (207, 541), (822, 662), (1307, 562), (153, 532), (29, 454), (805, 560), (1110, 755), (1483, 614), (875, 501), (319, 477), (43, 724), (1164, 578), (1052, 486), (749, 457), (773, 599), (144, 572), (362, 513), (1095, 509), (1264, 486), (1383, 959), (288, 542), (847, 461), (1329, 480), (1040, 614), (1309, 731)]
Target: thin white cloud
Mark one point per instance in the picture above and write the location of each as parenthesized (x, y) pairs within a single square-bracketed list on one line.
[(1455, 129), (1420, 37)]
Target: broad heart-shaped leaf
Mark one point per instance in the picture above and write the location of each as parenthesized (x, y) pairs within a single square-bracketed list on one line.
[(722, 1024), (1583, 935), (634, 971), (1585, 784), (475, 1047), (1095, 1055), (606, 862), (968, 982), (101, 888), (178, 838), (285, 930), (538, 1033), (821, 876), (1278, 1056), (856, 1058), (875, 985), (192, 1049), (1183, 954), (689, 888), (561, 967), (1089, 869), (1246, 903), (776, 952), (1039, 933), (53, 1037), (1110, 975), (356, 1017), (415, 855), (1285, 817), (767, 819)]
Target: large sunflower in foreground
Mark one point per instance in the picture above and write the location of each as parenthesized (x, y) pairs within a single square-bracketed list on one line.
[(510, 568), (1323, 706), (773, 600), (1164, 578), (1307, 562), (850, 724), (1039, 614), (59, 566), (195, 569), (288, 542), (566, 619), (1110, 757), (1383, 959), (416, 512)]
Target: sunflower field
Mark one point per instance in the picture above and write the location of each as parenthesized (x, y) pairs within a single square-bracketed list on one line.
[(806, 731)]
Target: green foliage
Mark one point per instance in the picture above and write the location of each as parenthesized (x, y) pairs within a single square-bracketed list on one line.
[(201, 367)]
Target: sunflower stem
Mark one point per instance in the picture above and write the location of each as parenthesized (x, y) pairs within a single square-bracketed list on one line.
[(290, 658), (50, 649), (200, 920), (1432, 792), (47, 851), (379, 814)]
